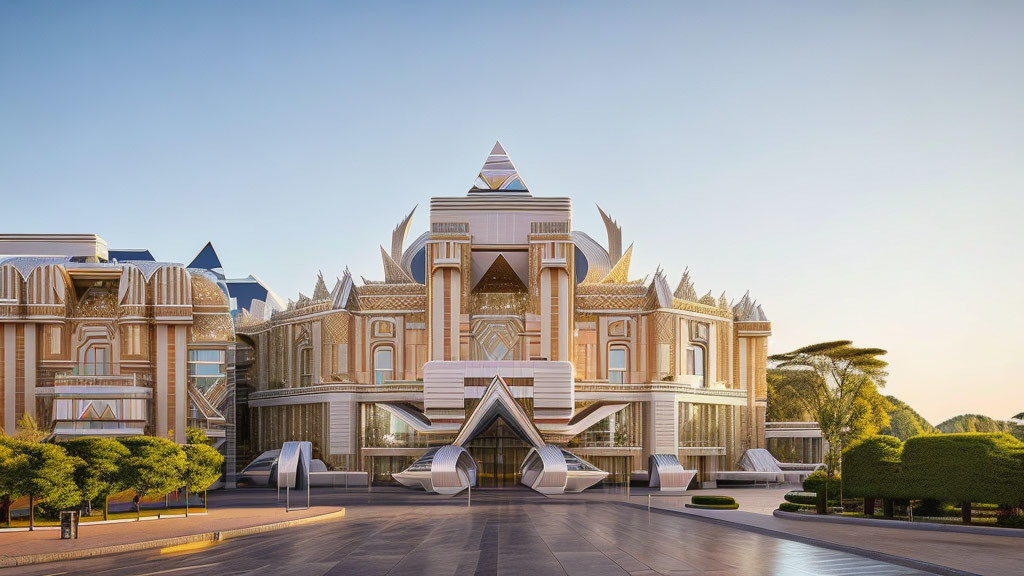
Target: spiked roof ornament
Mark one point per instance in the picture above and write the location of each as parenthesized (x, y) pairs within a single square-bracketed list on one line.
[(619, 273), (707, 299), (320, 291), (499, 174), (614, 237), (393, 271), (399, 234), (685, 289)]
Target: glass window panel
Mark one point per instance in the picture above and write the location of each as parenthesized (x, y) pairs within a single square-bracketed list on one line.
[(216, 356)]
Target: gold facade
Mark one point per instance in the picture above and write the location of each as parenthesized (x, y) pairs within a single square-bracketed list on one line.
[(501, 282)]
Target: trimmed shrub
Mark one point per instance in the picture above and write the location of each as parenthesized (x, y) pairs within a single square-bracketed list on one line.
[(714, 507), (817, 482), (965, 468), (798, 497), (1010, 521), (713, 500), (871, 468), (794, 507)]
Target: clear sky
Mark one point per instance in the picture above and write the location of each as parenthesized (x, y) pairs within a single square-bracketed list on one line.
[(859, 166)]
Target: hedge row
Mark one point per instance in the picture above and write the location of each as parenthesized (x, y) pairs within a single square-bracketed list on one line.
[(969, 467)]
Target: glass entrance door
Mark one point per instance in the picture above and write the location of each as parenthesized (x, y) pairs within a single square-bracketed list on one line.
[(499, 452)]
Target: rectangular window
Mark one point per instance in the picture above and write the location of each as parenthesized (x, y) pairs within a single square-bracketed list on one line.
[(307, 367), (55, 338), (383, 367), (617, 365), (206, 368), (695, 363)]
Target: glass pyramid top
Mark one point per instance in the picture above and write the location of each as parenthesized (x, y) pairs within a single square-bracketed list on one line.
[(499, 174)]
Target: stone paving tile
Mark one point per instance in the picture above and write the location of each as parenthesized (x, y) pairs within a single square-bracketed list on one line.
[(498, 536)]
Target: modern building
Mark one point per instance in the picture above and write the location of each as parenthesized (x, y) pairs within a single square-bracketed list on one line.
[(114, 343), (576, 358)]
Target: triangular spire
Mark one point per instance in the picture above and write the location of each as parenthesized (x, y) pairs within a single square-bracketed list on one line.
[(685, 290), (399, 234), (614, 237), (393, 271), (499, 174), (722, 302), (619, 274), (207, 259), (320, 292), (707, 299)]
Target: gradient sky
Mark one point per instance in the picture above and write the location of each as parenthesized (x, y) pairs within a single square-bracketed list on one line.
[(859, 166)]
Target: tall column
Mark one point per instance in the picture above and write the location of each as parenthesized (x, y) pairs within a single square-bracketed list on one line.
[(448, 264), (752, 360), (180, 383), (31, 356), (10, 360), (160, 397), (553, 254)]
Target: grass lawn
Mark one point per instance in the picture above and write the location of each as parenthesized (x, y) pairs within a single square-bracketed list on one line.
[(97, 516)]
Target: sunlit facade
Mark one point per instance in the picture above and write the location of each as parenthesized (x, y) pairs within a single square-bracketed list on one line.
[(606, 365), (92, 346)]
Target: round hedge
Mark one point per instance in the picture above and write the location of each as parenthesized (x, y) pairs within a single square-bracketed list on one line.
[(713, 500), (799, 497)]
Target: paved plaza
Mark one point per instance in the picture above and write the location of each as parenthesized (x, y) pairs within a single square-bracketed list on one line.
[(514, 532)]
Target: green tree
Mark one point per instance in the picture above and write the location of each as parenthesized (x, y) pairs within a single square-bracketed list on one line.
[(904, 421), (99, 475), (196, 436), (27, 429), (13, 469), (834, 381), (43, 472), (785, 388), (153, 467), (202, 468)]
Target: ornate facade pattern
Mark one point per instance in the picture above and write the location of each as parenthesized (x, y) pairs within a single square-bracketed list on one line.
[(95, 347), (614, 366)]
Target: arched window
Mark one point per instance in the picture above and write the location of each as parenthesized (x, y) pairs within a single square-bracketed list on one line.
[(696, 359), (618, 365), (383, 365)]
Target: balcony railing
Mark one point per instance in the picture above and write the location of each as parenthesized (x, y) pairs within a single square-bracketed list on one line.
[(95, 375)]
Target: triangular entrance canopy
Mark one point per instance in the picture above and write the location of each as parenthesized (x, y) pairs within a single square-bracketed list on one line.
[(497, 402), (499, 174)]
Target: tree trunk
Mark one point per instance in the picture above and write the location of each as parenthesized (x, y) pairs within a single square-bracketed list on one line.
[(965, 512), (869, 506), (31, 512), (106, 507), (5, 508), (888, 508), (137, 500), (186, 501), (206, 503)]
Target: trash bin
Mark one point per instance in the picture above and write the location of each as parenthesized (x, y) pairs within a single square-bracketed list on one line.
[(68, 525)]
